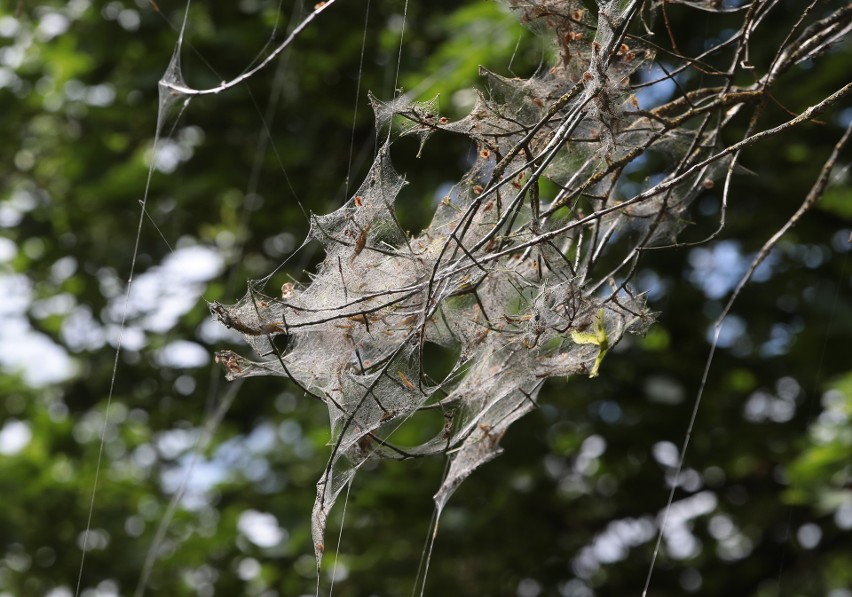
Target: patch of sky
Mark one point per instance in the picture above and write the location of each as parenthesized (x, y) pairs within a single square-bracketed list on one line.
[(160, 296), (199, 476), (840, 241), (657, 87), (15, 435), (261, 528), (781, 337), (13, 208), (732, 332), (651, 285), (8, 250), (780, 407), (182, 354), (718, 268), (170, 152), (33, 355)]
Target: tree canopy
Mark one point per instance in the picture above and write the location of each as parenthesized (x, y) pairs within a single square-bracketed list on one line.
[(92, 438)]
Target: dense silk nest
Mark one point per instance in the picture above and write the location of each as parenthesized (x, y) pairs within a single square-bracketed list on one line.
[(523, 273)]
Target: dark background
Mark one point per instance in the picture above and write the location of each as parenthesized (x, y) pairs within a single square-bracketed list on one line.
[(569, 509)]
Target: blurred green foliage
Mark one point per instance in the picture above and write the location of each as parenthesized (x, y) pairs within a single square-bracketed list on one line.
[(566, 510)]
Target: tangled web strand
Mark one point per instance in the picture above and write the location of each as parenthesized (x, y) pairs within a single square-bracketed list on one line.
[(520, 286)]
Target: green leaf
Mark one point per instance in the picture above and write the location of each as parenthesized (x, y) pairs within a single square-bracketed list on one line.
[(597, 337)]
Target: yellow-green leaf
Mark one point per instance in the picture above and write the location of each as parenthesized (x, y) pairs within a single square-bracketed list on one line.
[(598, 337)]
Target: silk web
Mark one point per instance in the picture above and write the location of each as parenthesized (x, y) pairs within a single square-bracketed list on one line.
[(525, 270), (507, 279)]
